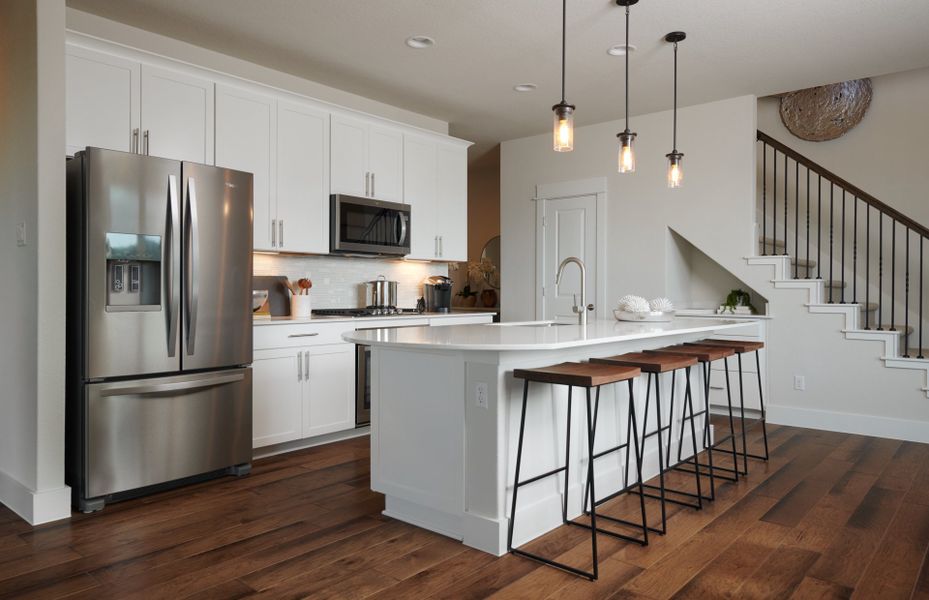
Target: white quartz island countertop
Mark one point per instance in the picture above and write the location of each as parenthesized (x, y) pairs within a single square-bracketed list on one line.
[(533, 335)]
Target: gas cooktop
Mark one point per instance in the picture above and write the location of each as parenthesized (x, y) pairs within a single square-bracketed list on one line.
[(368, 311)]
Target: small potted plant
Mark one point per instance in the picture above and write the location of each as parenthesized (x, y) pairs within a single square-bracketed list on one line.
[(737, 302)]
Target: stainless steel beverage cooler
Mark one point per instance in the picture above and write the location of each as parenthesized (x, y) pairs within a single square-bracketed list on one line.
[(159, 324)]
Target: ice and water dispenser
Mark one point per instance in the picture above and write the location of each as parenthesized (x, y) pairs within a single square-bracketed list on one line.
[(133, 272)]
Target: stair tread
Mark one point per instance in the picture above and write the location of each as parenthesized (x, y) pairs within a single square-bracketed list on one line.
[(916, 353), (833, 283), (771, 241), (887, 327)]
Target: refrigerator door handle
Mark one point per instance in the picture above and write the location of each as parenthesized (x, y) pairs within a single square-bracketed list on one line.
[(193, 265), (174, 386), (174, 265)]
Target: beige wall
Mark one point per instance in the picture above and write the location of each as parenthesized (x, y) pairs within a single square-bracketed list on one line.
[(884, 155), (483, 202), (32, 295)]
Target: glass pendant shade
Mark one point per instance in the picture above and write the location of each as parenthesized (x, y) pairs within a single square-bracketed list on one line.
[(675, 169), (626, 152), (563, 129)]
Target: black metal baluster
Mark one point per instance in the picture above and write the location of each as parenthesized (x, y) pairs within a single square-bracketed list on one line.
[(785, 205), (855, 253), (893, 271), (867, 266), (906, 299), (774, 203), (880, 271), (919, 351), (831, 237), (819, 230), (807, 222), (764, 199), (796, 220), (842, 291)]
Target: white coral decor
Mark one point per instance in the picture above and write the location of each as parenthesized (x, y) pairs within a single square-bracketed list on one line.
[(634, 304), (661, 305)]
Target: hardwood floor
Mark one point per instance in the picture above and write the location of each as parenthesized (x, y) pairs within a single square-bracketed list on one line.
[(830, 516)]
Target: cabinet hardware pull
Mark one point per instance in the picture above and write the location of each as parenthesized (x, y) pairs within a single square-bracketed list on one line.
[(299, 335), (299, 366), (441, 246), (273, 233), (372, 184), (367, 184), (280, 226), (145, 138), (306, 371), (135, 141)]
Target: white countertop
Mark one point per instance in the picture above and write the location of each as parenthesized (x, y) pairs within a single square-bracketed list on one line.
[(267, 320), (525, 336)]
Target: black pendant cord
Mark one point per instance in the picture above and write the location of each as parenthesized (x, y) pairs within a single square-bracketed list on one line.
[(627, 67), (564, 37), (674, 128)]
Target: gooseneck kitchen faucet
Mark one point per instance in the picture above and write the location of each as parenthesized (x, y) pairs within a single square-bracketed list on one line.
[(582, 308)]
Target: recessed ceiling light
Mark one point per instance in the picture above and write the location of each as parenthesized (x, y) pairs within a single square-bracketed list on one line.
[(619, 49), (525, 87), (420, 41)]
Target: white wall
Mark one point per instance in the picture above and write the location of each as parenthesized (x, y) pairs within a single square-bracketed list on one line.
[(140, 39), (714, 209), (32, 298), (884, 155)]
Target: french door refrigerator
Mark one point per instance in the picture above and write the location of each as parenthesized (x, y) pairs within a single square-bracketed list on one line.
[(159, 324)]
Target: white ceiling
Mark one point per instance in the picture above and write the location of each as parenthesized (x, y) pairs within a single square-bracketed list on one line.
[(484, 47)]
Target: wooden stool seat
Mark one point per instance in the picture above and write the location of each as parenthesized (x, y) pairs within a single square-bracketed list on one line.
[(740, 346), (585, 375), (649, 362), (703, 354)]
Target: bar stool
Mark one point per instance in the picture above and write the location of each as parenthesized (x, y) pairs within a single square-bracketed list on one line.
[(583, 375), (706, 355), (656, 364), (744, 347)]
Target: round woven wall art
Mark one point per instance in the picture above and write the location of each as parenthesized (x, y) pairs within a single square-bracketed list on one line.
[(825, 112)]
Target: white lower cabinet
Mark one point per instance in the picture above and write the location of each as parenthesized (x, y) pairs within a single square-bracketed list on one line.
[(329, 393), (277, 397)]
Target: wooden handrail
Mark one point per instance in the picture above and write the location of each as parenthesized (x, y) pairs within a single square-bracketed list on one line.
[(848, 187)]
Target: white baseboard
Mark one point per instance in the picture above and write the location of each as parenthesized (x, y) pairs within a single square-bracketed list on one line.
[(872, 425), (35, 507)]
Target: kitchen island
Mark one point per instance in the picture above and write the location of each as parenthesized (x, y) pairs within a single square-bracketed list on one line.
[(445, 420)]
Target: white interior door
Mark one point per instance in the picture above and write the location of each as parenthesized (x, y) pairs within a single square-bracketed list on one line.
[(570, 229)]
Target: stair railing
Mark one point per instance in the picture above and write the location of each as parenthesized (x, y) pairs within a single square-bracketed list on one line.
[(777, 205)]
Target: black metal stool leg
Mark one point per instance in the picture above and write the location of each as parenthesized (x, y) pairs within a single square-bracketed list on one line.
[(742, 418), (567, 460), (688, 395), (764, 415), (638, 459), (519, 459), (590, 483), (596, 415), (661, 459), (671, 422)]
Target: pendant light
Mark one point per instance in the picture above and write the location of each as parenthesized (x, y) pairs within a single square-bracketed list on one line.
[(675, 158), (563, 132), (626, 137)]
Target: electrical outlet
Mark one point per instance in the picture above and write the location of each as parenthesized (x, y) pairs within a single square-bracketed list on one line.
[(480, 395), (799, 382), (21, 234)]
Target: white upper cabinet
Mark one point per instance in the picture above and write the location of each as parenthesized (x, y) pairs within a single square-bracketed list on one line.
[(419, 192), (245, 140), (303, 177), (102, 107), (367, 159), (452, 201), (385, 162), (435, 179), (177, 115)]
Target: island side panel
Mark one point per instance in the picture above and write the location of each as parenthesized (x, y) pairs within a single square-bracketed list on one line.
[(417, 441)]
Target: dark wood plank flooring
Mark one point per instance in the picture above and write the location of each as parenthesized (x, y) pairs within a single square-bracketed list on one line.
[(830, 516)]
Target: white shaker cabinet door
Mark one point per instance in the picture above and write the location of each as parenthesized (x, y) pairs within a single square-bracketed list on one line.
[(385, 163), (303, 177), (329, 397), (177, 115), (349, 172), (277, 399), (245, 140), (102, 101), (452, 202), (419, 191)]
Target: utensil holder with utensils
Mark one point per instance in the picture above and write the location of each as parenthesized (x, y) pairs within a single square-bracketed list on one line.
[(300, 306)]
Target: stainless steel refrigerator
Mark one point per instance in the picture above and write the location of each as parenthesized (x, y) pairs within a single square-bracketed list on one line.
[(159, 324)]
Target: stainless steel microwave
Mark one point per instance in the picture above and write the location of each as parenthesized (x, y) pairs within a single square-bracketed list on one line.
[(368, 227)]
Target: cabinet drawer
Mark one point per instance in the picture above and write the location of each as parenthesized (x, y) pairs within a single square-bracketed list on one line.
[(299, 334), (754, 331)]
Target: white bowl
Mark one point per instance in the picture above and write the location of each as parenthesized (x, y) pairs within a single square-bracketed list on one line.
[(653, 316), (258, 299)]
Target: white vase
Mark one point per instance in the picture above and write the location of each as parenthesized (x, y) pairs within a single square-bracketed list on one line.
[(301, 307)]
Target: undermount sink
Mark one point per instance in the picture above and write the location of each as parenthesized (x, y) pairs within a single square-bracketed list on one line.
[(530, 324)]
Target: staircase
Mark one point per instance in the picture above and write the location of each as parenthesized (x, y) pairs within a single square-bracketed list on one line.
[(850, 252)]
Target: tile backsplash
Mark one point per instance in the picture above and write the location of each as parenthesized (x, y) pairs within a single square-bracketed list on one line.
[(338, 280)]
